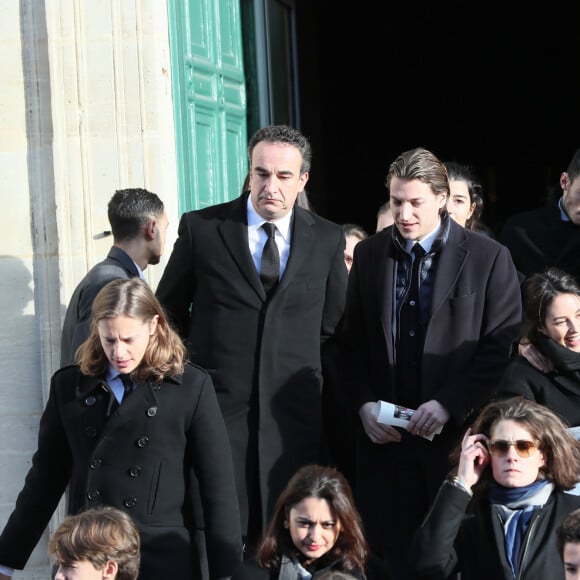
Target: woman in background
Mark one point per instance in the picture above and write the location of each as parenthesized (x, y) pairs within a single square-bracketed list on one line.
[(497, 515), (552, 327), (465, 203), (315, 528)]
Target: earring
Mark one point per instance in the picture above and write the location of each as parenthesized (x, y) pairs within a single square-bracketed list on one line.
[(286, 526)]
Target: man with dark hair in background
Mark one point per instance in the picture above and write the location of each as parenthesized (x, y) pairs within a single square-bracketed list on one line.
[(258, 325), (550, 235), (139, 225)]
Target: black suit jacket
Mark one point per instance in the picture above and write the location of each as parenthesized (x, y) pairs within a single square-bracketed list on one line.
[(140, 459), (539, 239), (264, 354), (77, 321)]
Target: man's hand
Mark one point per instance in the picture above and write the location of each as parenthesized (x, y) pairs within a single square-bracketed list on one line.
[(428, 418), (375, 431)]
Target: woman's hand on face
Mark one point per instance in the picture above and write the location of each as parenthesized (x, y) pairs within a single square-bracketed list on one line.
[(474, 458)]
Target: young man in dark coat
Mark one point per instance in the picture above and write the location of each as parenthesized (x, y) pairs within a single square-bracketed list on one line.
[(136, 427), (434, 338), (262, 348)]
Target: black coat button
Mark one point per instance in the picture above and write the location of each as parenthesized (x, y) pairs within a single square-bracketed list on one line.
[(96, 463), (93, 495), (152, 411), (91, 431), (90, 400), (142, 441), (130, 502), (134, 471)]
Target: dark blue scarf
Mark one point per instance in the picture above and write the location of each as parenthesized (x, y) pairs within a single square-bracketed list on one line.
[(518, 524)]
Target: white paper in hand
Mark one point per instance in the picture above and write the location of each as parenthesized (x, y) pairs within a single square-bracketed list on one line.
[(397, 416)]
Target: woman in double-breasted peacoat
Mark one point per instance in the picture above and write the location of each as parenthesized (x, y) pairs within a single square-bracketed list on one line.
[(140, 456)]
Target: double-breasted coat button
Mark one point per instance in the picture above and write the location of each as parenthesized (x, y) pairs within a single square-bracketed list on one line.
[(93, 494), (130, 502), (134, 471), (90, 400), (142, 441), (95, 464), (91, 431), (152, 411)]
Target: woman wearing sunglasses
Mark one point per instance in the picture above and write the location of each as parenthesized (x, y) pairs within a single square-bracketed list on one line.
[(552, 328), (497, 514)]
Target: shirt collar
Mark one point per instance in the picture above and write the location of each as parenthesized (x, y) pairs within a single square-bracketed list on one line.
[(141, 275), (112, 372), (255, 220), (563, 215), (426, 242)]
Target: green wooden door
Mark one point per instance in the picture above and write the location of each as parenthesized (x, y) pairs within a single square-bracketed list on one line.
[(209, 99)]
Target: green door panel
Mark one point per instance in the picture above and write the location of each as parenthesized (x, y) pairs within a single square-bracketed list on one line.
[(209, 100)]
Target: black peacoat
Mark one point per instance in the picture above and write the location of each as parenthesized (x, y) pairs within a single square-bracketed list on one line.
[(138, 457), (264, 354)]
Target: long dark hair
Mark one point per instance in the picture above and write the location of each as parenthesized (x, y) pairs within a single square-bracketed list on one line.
[(459, 172), (540, 289), (324, 483)]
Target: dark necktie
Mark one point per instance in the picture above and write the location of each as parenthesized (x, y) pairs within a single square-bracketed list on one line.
[(127, 383), (410, 343), (270, 265)]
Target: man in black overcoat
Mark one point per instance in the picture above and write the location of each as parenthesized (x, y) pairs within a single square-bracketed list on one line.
[(262, 348)]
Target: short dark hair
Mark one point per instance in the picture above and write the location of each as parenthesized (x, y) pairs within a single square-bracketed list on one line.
[(130, 209), (568, 532), (573, 169), (283, 134)]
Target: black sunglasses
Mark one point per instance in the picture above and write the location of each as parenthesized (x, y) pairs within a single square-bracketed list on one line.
[(500, 447)]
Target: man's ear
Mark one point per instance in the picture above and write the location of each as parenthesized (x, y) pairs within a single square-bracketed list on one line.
[(110, 570), (150, 229)]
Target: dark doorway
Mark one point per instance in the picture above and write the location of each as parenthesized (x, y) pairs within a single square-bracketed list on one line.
[(491, 84)]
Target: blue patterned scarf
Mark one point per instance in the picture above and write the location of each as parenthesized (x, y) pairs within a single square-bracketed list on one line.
[(517, 522)]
